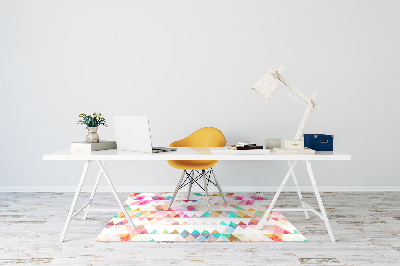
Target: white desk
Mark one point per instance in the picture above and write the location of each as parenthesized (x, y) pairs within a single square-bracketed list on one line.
[(194, 154)]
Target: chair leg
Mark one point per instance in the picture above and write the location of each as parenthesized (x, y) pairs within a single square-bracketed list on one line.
[(219, 187), (206, 189), (176, 189), (190, 184)]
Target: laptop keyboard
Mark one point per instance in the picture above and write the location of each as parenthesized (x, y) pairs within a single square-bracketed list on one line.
[(162, 149)]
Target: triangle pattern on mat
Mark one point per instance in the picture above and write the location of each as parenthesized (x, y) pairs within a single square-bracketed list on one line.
[(189, 220)]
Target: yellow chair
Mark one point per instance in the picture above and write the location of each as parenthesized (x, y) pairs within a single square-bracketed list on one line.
[(204, 137)]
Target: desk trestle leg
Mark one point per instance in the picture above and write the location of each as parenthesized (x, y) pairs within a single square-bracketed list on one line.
[(321, 205), (116, 195), (299, 192), (268, 212), (93, 192), (86, 207), (71, 210), (305, 205)]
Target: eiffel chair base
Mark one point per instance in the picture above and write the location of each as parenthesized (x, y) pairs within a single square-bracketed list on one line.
[(191, 179)]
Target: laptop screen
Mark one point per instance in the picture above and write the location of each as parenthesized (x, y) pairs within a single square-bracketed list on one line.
[(132, 133)]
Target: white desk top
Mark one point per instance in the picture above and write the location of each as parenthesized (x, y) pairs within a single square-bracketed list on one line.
[(184, 153)]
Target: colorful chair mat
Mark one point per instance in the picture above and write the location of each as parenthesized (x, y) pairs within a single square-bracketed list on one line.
[(189, 220)]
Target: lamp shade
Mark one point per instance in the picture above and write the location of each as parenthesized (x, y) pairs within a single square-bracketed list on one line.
[(266, 86)]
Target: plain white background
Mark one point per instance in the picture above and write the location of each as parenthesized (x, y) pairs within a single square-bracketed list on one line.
[(190, 64)]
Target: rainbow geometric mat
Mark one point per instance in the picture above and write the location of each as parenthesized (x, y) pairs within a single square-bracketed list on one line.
[(189, 220)]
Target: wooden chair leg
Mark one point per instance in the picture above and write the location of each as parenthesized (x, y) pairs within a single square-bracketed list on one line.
[(219, 187), (206, 189), (176, 189), (190, 184)]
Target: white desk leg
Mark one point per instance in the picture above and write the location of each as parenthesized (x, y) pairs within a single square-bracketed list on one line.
[(93, 192), (298, 191), (321, 205), (116, 195), (268, 212), (71, 210)]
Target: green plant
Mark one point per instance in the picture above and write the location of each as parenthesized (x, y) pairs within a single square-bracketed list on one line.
[(93, 120)]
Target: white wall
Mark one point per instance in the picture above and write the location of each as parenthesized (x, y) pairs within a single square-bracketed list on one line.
[(189, 64)]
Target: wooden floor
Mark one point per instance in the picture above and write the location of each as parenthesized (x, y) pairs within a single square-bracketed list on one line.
[(366, 226)]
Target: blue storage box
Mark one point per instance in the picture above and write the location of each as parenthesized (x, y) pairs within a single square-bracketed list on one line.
[(318, 142)]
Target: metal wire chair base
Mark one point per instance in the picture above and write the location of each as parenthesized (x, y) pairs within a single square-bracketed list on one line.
[(189, 178), (196, 177)]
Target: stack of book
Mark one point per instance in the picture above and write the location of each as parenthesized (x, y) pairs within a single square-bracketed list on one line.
[(245, 146), (240, 148)]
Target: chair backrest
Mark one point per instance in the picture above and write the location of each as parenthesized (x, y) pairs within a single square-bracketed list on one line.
[(204, 137)]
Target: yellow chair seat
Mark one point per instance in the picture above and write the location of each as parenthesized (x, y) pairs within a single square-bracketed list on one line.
[(191, 164), (204, 137)]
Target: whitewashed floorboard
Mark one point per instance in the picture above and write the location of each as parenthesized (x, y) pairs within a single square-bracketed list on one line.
[(366, 227)]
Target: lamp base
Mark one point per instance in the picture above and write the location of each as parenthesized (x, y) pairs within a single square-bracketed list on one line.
[(294, 144), (293, 151)]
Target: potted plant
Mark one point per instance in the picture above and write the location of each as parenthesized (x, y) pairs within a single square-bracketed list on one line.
[(92, 123)]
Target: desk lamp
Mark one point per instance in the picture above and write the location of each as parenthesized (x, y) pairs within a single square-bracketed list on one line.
[(266, 86)]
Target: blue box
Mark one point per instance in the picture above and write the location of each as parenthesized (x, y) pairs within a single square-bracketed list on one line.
[(318, 142)]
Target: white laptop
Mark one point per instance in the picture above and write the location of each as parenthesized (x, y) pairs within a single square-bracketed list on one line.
[(133, 134)]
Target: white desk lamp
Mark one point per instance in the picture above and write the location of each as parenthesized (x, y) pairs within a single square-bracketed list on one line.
[(266, 86)]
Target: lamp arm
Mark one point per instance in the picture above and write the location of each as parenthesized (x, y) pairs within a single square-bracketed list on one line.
[(293, 88), (305, 117), (311, 102)]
